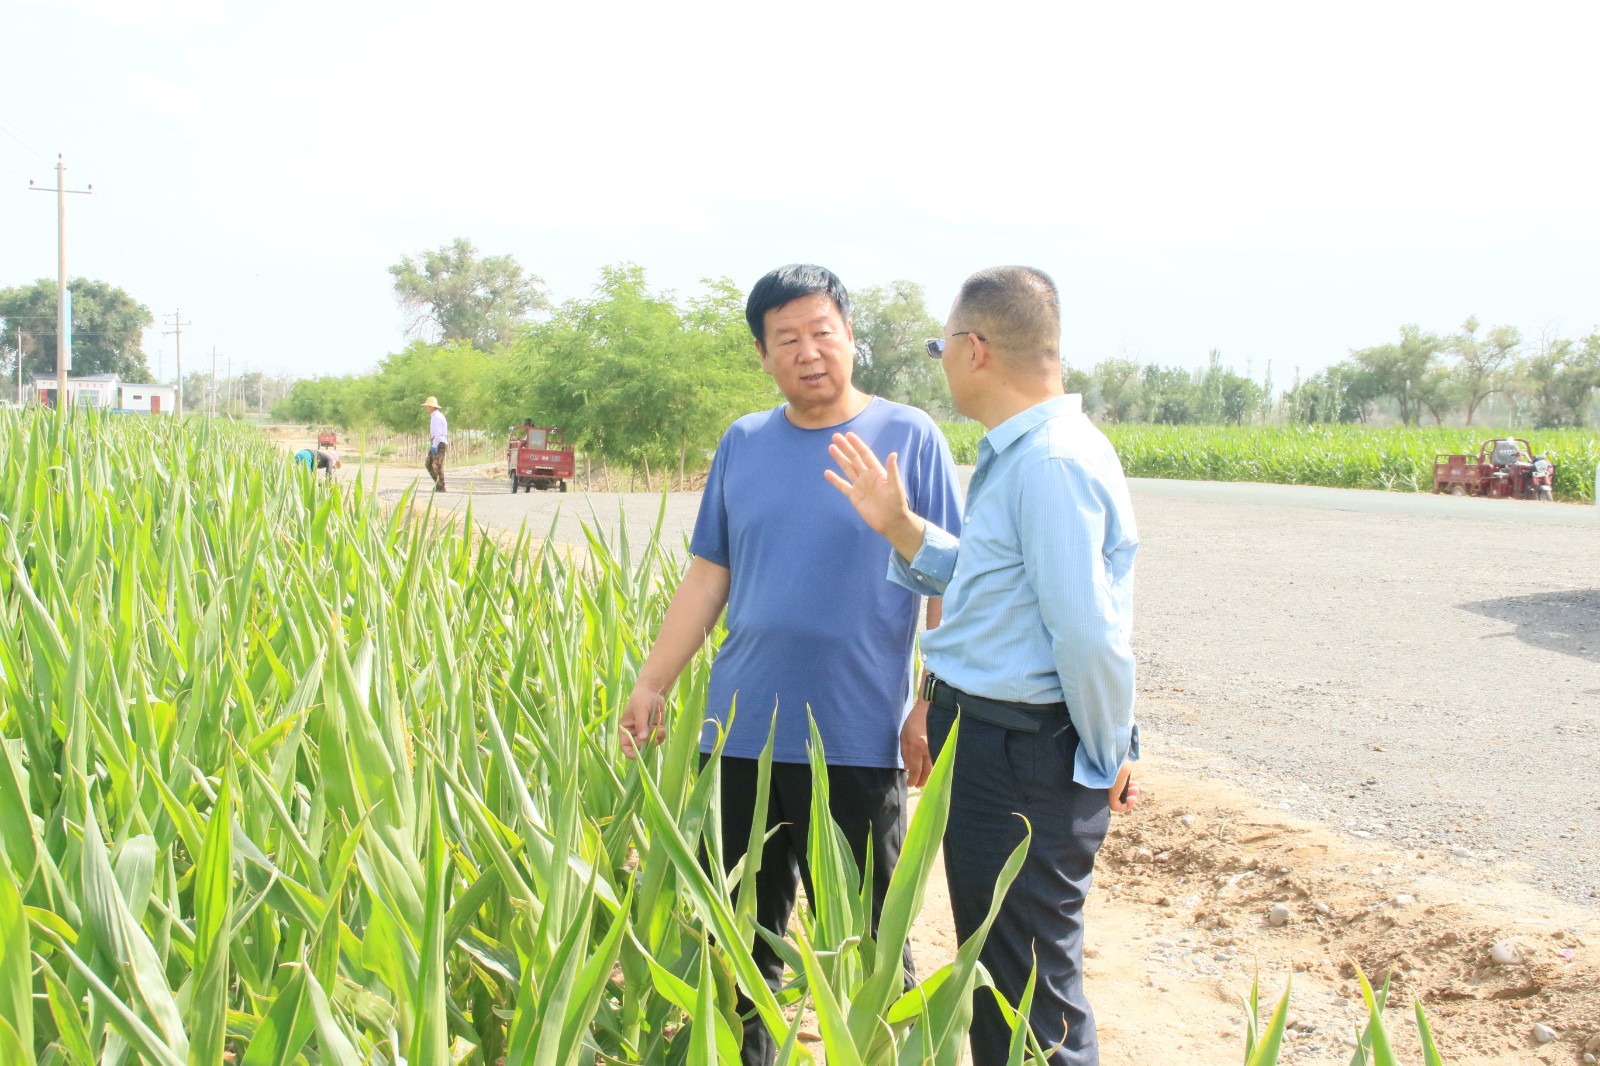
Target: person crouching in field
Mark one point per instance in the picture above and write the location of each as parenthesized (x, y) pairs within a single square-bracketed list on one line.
[(811, 621), (324, 459)]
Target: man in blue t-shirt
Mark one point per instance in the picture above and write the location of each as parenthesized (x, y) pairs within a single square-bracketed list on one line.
[(813, 629)]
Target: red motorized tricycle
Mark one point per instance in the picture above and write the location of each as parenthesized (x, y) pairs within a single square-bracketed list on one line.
[(1504, 468), (538, 457)]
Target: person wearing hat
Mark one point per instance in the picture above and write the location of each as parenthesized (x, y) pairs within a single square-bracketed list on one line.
[(438, 442)]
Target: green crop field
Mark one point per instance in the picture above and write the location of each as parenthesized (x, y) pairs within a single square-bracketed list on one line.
[(285, 779), (1350, 457), (288, 779)]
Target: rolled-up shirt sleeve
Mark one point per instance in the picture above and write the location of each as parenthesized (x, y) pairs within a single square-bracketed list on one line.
[(935, 563), (1078, 544)]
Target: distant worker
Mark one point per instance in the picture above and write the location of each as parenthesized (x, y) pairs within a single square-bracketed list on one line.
[(438, 442), (324, 459), (524, 431), (328, 461)]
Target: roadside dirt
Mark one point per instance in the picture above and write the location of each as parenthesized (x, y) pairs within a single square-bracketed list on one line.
[(1178, 925)]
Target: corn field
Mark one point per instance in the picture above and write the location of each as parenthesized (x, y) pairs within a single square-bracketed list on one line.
[(1351, 457), (286, 779)]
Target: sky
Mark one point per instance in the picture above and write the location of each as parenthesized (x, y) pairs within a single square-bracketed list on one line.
[(1281, 182)]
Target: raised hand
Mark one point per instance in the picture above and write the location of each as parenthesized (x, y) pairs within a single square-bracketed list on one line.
[(875, 491)]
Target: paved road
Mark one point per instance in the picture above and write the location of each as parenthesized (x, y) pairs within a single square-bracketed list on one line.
[(1418, 668)]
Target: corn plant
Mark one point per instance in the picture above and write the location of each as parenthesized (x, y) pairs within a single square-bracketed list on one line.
[(1373, 1047), (289, 779), (1355, 457)]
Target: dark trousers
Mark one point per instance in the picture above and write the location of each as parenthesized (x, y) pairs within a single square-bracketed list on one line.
[(868, 802), (435, 465), (1000, 773)]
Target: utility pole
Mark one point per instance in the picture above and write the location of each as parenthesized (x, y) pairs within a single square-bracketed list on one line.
[(63, 299), (230, 383), (20, 335), (176, 332), (213, 381)]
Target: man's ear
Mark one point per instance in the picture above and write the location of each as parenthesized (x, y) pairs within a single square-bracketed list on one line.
[(982, 352)]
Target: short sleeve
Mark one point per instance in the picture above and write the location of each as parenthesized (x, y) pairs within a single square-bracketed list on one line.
[(710, 539)]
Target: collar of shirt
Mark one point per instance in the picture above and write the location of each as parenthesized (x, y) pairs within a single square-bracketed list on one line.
[(1013, 429), (1008, 432)]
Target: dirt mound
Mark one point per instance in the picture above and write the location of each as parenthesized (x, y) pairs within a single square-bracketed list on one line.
[(1231, 883)]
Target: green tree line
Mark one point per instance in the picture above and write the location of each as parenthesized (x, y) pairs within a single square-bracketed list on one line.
[(638, 377), (1552, 382)]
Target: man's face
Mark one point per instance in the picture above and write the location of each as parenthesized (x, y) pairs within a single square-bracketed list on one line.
[(957, 362), (809, 351)]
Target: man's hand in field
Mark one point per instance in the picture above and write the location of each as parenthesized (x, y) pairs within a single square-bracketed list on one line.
[(643, 720), (914, 745)]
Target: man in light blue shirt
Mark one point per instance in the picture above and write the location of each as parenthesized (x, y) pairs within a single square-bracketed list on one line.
[(1033, 651)]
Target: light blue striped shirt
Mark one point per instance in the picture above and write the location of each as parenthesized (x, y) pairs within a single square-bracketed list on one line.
[(1038, 589)]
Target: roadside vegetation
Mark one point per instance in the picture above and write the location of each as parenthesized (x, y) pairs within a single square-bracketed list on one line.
[(1350, 457)]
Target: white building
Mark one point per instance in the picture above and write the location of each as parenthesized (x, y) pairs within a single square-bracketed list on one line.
[(148, 399), (91, 390)]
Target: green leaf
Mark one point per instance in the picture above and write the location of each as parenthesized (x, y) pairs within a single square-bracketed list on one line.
[(430, 1040), (16, 966), (332, 1042), (123, 944), (1430, 1051), (1266, 1052), (832, 1016), (213, 905), (903, 900), (1382, 1051), (71, 1034)]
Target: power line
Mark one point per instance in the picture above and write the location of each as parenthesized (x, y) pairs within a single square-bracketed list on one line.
[(116, 243), (20, 141), (13, 134)]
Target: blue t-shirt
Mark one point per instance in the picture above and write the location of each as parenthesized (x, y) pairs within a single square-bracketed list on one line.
[(811, 619)]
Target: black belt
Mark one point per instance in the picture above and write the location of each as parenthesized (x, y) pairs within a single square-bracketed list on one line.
[(1021, 717)]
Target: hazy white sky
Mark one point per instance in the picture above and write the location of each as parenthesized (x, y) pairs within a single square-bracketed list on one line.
[(1279, 181)]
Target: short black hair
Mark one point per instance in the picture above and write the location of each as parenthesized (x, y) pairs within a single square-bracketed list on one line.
[(789, 283), (1016, 308)]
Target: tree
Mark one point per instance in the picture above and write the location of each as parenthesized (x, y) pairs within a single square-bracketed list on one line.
[(1168, 395), (107, 329), (346, 402), (635, 379), (1118, 383), (1401, 371), (454, 294), (1344, 393), (1481, 363), (455, 372), (1080, 382), (1224, 396), (1561, 377), (891, 325)]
